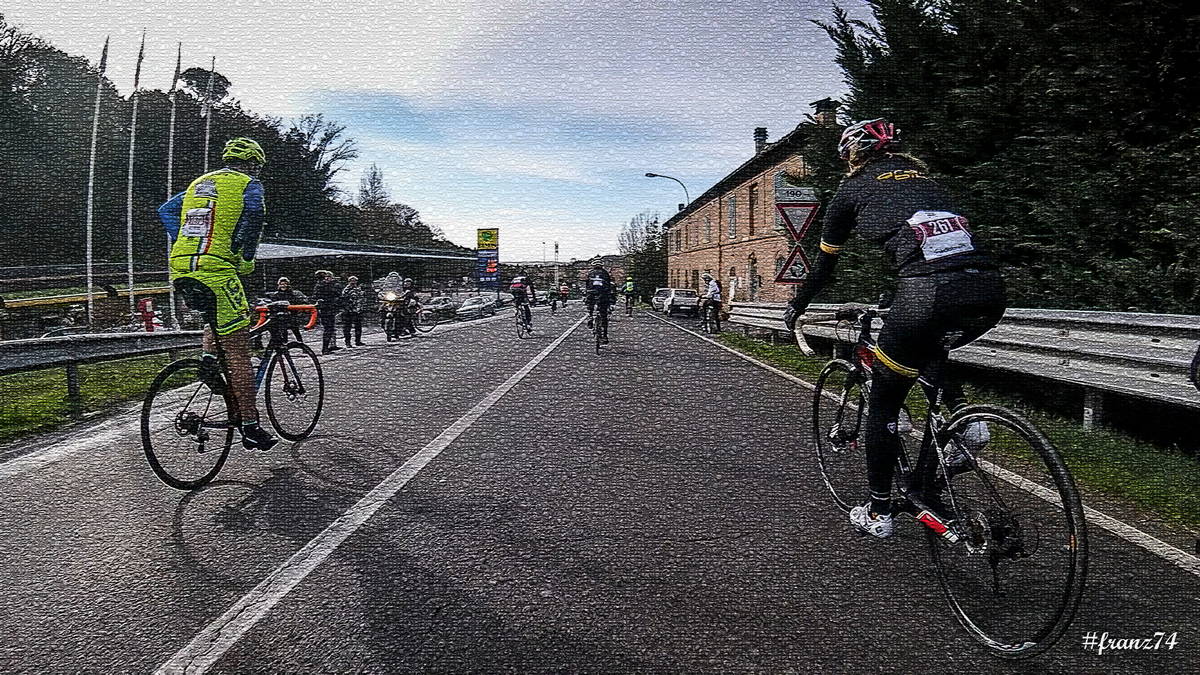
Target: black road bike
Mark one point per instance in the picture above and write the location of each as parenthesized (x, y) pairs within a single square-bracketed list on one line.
[(600, 324), (1003, 518), (190, 418), (524, 322)]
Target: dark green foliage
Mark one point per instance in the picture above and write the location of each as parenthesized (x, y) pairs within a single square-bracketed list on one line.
[(46, 108), (1068, 130)]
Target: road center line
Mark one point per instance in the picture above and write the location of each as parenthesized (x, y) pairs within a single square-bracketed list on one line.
[(211, 643), (1176, 556)]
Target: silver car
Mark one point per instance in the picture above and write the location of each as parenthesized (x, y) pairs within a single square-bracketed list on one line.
[(476, 308)]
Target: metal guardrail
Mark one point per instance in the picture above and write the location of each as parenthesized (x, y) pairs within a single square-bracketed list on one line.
[(69, 351), (1142, 355)]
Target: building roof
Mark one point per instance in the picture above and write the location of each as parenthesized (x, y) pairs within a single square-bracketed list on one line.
[(283, 251), (772, 154)]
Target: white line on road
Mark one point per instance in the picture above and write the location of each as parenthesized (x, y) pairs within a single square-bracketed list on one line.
[(211, 643), (1158, 547), (114, 430)]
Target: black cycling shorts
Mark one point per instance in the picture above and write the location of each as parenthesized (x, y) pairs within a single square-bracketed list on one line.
[(928, 308)]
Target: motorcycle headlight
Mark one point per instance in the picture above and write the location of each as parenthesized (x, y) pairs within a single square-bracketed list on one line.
[(389, 296)]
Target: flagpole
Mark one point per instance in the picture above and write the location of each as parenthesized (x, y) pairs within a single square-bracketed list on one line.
[(92, 176), (208, 110), (137, 76), (171, 175)]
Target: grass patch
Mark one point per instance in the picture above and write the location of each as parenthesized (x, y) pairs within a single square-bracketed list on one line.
[(36, 400), (1104, 462)]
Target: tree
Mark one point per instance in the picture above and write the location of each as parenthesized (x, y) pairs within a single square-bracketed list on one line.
[(372, 195), (326, 149), (641, 242), (195, 81)]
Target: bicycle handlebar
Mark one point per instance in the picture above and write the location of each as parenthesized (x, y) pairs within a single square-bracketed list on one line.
[(262, 311)]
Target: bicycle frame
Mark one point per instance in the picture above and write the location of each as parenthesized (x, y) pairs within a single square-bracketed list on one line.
[(912, 479)]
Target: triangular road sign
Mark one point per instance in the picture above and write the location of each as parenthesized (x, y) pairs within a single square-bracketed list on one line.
[(795, 270), (797, 217)]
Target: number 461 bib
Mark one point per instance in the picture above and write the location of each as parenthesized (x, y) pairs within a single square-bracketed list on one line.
[(941, 234)]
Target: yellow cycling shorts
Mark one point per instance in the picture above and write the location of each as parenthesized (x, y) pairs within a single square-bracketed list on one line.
[(232, 310)]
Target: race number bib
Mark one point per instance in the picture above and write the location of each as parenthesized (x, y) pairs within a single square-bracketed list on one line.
[(941, 234), (597, 282), (197, 222)]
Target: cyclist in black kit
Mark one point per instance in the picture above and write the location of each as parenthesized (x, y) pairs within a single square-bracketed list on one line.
[(947, 283)]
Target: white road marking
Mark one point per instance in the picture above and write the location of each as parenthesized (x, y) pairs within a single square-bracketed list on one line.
[(1158, 547), (215, 639), (103, 435), (95, 437)]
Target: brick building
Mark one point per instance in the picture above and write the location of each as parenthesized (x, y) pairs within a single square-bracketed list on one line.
[(732, 230)]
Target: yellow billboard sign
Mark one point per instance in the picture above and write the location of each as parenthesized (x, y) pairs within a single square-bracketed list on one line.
[(488, 239)]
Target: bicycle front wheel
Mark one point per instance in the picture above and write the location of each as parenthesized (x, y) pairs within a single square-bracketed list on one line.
[(294, 391), (839, 412), (187, 426), (426, 321), (1016, 577)]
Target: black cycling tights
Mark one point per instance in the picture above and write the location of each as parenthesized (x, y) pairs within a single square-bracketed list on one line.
[(967, 303)]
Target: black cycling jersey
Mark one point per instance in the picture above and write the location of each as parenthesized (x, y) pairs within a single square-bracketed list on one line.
[(599, 282), (892, 203)]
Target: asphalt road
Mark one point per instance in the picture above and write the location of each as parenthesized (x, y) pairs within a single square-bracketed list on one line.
[(654, 508)]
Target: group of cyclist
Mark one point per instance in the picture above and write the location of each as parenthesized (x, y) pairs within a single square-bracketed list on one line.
[(599, 293), (947, 282)]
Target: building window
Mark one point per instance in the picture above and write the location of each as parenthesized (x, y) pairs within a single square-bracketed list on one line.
[(696, 279), (753, 210), (778, 265), (707, 228), (732, 217)]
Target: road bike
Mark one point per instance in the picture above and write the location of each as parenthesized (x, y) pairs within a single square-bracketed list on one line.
[(524, 321), (1003, 518), (600, 324), (425, 320), (190, 418)]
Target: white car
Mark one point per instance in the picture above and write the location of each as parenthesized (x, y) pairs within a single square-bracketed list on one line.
[(671, 300)]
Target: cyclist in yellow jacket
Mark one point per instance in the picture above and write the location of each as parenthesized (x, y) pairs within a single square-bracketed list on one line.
[(214, 226)]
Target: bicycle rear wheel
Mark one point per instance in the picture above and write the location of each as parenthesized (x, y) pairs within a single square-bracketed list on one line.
[(294, 391), (839, 412), (187, 427), (1015, 579)]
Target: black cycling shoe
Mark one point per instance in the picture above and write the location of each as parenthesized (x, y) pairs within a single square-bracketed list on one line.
[(254, 437)]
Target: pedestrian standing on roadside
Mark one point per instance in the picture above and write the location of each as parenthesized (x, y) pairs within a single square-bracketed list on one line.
[(284, 291), (328, 297), (354, 301)]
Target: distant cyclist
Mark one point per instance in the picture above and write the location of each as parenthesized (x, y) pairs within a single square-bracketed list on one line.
[(710, 300), (947, 282), (523, 295), (599, 292), (628, 290), (214, 226)]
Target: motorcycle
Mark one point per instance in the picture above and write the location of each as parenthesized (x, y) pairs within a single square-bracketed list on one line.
[(391, 314)]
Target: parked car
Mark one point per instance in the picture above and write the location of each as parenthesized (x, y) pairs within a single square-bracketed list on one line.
[(671, 300), (476, 307), (441, 306), (541, 297), (504, 299)]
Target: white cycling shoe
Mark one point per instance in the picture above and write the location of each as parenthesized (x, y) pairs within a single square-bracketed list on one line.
[(874, 524)]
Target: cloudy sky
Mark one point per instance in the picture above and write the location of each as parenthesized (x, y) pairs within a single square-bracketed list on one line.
[(538, 117)]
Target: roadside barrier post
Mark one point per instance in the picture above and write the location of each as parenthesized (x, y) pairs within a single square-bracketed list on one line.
[(74, 397)]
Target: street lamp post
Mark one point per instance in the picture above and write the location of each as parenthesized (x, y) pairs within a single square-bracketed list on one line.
[(685, 190)]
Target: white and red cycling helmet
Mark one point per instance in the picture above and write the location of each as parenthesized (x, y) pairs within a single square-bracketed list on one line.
[(876, 134)]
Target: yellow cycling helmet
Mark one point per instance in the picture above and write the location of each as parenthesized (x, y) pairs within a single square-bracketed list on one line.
[(245, 149)]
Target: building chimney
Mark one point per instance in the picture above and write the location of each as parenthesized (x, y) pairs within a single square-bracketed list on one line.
[(760, 139), (681, 205), (825, 112)]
